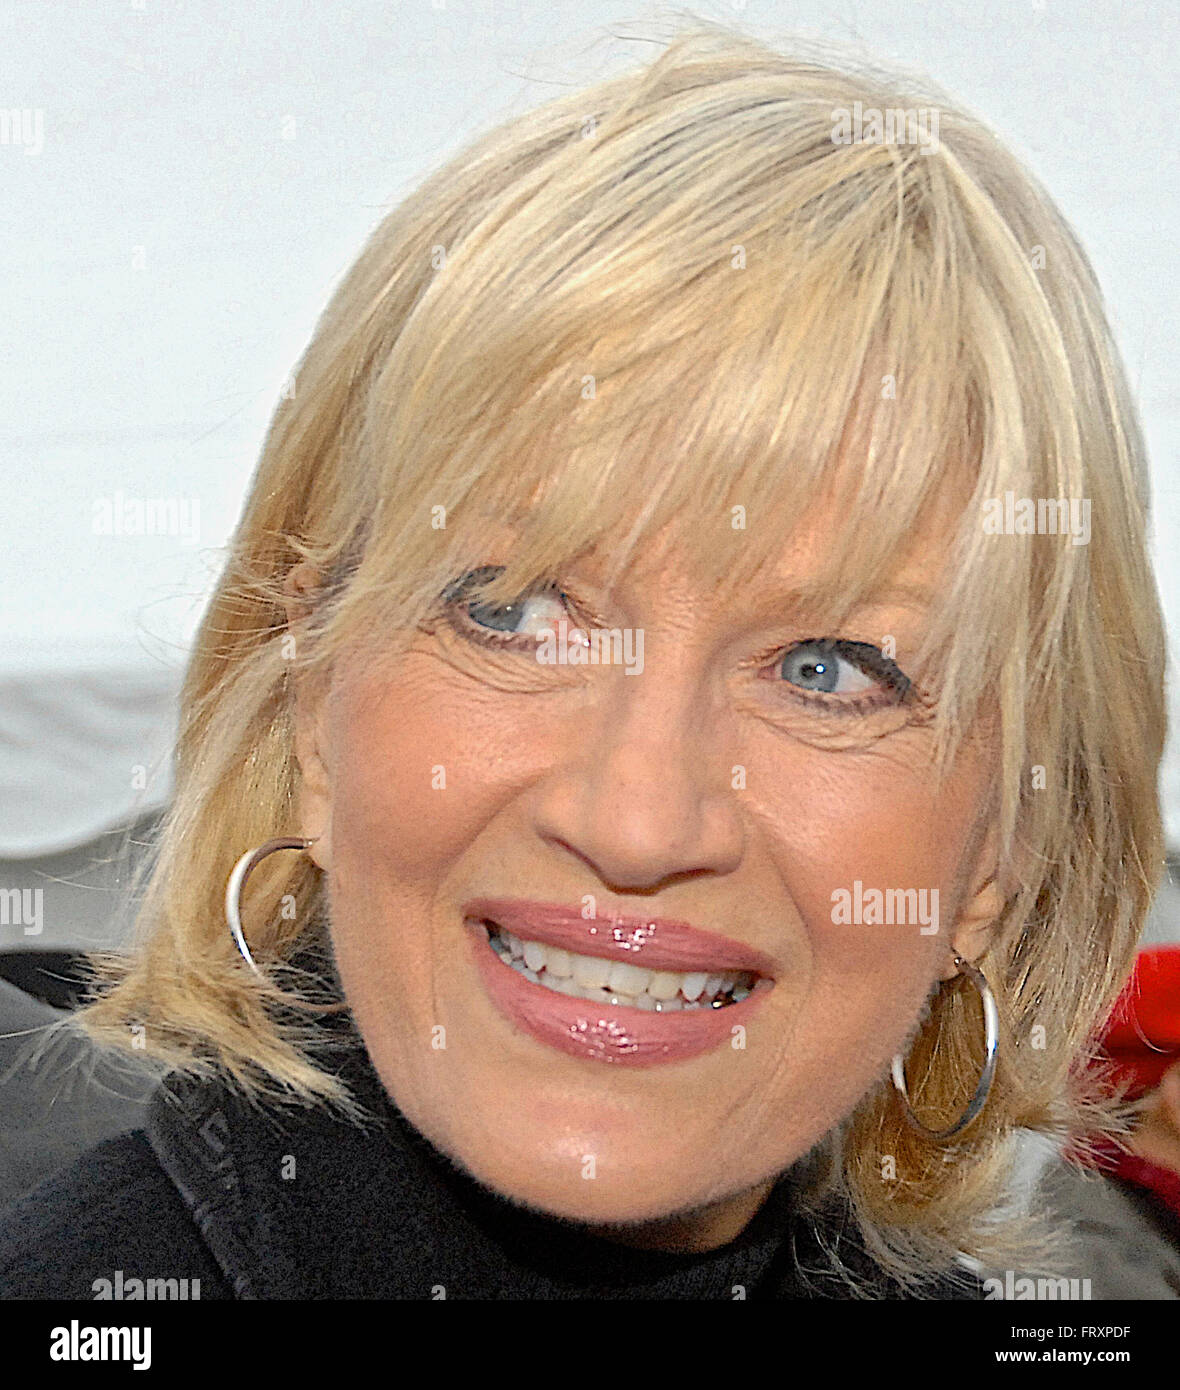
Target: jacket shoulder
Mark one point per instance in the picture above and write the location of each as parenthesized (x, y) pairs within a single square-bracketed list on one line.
[(111, 1215)]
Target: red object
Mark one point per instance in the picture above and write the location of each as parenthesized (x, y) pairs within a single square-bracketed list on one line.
[(1142, 1034), (1142, 1038)]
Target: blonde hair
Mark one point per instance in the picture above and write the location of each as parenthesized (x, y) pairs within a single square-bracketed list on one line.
[(646, 304)]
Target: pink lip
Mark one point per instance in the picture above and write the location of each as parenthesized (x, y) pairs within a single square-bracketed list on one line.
[(656, 943), (615, 1033)]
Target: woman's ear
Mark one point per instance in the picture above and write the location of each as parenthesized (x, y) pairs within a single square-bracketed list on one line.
[(299, 590), (977, 923), (311, 743), (983, 905)]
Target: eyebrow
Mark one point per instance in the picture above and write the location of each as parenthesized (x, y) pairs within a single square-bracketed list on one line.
[(781, 600), (909, 595)]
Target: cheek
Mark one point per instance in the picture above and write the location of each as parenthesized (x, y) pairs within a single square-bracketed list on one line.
[(416, 778), (876, 817), (417, 775)]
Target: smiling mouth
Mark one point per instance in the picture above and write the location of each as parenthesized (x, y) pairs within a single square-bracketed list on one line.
[(602, 981)]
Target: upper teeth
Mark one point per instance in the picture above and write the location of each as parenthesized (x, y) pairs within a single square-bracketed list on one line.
[(618, 982)]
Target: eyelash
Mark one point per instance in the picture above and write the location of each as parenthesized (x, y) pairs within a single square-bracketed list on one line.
[(863, 655), (453, 604)]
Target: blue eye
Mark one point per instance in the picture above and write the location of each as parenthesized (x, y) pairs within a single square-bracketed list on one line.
[(524, 617), (827, 666), (503, 618)]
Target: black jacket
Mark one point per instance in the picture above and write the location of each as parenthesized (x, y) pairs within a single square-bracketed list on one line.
[(280, 1203)]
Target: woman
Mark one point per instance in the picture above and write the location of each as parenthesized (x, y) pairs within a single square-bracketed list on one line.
[(683, 704)]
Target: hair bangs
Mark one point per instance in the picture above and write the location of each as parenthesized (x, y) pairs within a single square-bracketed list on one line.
[(814, 382)]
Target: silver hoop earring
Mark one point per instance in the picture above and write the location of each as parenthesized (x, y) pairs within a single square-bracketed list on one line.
[(991, 1023), (237, 881)]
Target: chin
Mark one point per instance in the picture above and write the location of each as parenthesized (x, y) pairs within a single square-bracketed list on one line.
[(631, 1178), (621, 1193)]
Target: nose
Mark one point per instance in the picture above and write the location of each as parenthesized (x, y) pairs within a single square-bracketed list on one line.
[(643, 794)]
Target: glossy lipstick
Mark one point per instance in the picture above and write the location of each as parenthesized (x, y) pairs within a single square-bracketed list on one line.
[(656, 943), (619, 1034)]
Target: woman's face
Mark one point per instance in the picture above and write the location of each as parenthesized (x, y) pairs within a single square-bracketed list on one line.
[(737, 792)]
